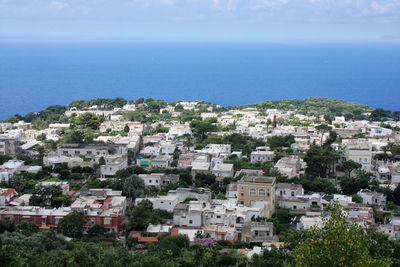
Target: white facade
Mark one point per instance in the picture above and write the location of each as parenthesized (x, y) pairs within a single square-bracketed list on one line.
[(223, 170), (167, 203), (113, 164), (261, 156), (360, 153), (372, 198), (63, 185), (151, 180), (9, 168)]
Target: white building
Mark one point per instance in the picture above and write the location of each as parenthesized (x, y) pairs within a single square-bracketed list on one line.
[(63, 185), (289, 166), (222, 170), (9, 168), (360, 153), (261, 156), (167, 203), (372, 198), (113, 164), (216, 149), (161, 161)]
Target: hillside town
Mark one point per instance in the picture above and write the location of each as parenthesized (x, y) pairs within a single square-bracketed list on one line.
[(240, 177)]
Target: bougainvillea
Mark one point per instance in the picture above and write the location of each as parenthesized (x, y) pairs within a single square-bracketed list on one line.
[(208, 242)]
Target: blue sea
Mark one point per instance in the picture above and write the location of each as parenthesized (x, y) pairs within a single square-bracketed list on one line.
[(34, 76)]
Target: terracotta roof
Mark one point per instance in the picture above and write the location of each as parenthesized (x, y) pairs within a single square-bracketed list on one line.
[(144, 239), (108, 199), (220, 233), (174, 231), (71, 193), (8, 192)]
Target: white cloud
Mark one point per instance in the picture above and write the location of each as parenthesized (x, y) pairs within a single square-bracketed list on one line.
[(376, 8), (57, 5), (225, 5), (262, 4), (166, 2)]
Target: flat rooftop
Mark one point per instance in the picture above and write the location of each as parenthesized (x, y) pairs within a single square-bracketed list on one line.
[(258, 179)]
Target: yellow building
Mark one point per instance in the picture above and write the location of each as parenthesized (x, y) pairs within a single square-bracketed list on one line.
[(257, 188)]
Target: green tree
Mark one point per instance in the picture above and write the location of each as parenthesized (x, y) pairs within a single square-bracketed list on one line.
[(351, 186), (4, 158), (178, 108), (12, 119), (41, 137), (336, 244), (102, 161), (87, 120), (140, 216), (7, 225), (277, 142), (133, 187), (323, 128), (139, 101), (201, 128), (349, 166), (97, 231), (317, 161), (396, 195), (126, 129), (76, 137), (72, 225)]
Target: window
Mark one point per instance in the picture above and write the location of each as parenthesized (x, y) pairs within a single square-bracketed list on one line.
[(295, 207), (253, 192), (255, 233), (261, 192), (149, 181), (190, 222), (284, 192), (107, 221), (43, 220), (242, 194), (267, 194), (292, 194), (242, 202), (218, 217)]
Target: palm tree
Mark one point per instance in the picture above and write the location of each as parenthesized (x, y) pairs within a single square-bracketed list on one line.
[(188, 141), (323, 128)]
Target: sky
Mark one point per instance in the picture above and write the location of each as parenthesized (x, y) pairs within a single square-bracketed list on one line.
[(200, 20)]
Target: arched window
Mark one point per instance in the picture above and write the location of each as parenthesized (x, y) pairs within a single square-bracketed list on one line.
[(261, 192), (239, 220), (253, 192)]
